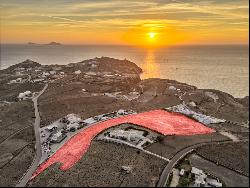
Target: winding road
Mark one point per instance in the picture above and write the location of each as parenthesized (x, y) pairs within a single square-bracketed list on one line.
[(168, 169), (38, 148)]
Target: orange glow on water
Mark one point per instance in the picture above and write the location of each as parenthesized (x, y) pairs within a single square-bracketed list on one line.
[(150, 67)]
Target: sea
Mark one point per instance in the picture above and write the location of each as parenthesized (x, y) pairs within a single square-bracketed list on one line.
[(222, 67)]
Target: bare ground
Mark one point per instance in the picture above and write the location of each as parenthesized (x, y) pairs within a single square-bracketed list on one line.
[(234, 155), (102, 166), (170, 145)]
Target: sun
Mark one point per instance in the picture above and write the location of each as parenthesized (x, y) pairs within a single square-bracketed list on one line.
[(151, 35)]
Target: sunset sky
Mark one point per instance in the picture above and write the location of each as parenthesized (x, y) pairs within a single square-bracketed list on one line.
[(125, 22)]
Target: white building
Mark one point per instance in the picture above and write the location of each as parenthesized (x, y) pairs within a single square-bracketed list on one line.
[(18, 80), (58, 137), (200, 177), (196, 171), (45, 74), (72, 121), (78, 72), (127, 169), (51, 127), (200, 180), (72, 126), (130, 136), (182, 172), (124, 112), (213, 182), (25, 95), (73, 118), (52, 72), (172, 88), (38, 80)]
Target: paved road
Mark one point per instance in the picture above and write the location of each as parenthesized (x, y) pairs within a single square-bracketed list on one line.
[(38, 148), (168, 169)]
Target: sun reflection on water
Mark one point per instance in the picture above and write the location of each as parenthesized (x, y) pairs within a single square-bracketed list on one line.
[(150, 67)]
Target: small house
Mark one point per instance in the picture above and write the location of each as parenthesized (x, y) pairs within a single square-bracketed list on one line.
[(213, 182), (182, 172)]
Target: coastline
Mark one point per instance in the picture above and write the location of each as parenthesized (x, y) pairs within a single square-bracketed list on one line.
[(107, 75), (197, 80)]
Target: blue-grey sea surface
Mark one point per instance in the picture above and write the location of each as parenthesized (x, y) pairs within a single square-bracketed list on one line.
[(224, 68)]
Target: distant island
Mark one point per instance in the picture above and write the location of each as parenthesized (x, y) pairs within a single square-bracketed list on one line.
[(31, 43), (51, 43)]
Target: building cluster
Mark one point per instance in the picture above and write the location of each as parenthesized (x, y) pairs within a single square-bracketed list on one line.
[(37, 75), (138, 138), (25, 95), (44, 76), (19, 70), (57, 132), (72, 123), (201, 179), (18, 81), (202, 118), (58, 137), (111, 115), (53, 135)]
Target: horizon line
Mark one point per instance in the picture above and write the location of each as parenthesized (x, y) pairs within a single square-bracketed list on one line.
[(72, 44)]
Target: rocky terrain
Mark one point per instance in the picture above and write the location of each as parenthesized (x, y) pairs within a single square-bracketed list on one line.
[(94, 87)]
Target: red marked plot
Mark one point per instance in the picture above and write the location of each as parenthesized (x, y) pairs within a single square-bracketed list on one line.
[(164, 122)]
